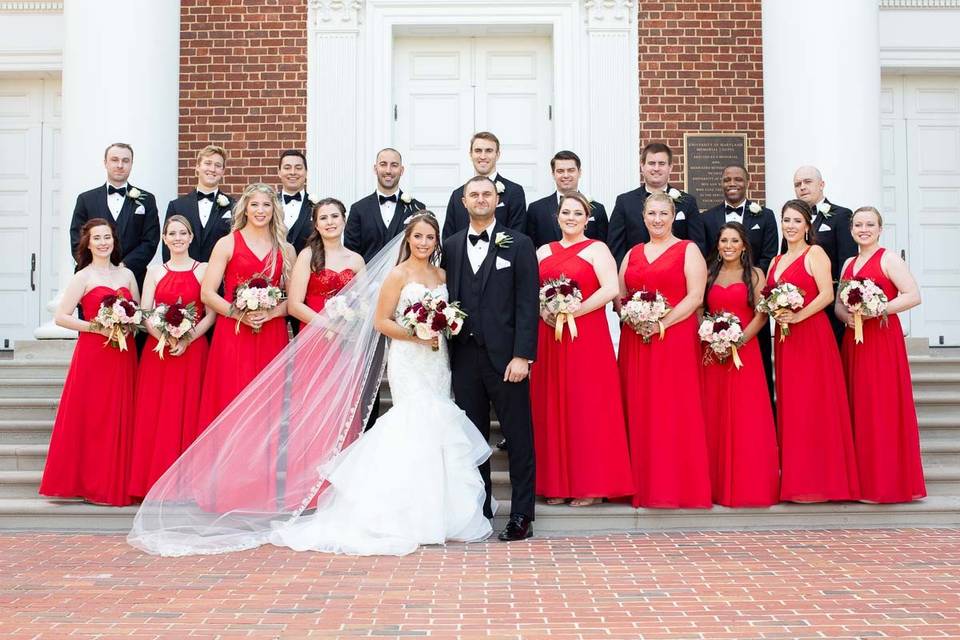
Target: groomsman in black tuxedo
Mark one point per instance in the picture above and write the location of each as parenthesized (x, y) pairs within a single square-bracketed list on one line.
[(297, 202), (132, 210), (492, 271), (512, 207), (626, 222), (209, 210), (831, 224), (761, 225), (377, 218), (542, 224)]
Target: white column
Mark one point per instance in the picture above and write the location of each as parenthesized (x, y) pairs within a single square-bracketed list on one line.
[(821, 90), (613, 159), (121, 83), (333, 27)]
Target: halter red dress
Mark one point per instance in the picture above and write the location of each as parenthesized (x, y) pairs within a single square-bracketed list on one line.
[(741, 434), (168, 391), (817, 458), (89, 454), (581, 439), (661, 393), (885, 431)]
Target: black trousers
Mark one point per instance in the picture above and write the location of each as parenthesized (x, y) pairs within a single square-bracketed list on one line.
[(475, 385)]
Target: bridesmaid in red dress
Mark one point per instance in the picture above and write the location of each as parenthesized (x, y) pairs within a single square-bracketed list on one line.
[(817, 457), (581, 440), (885, 431), (741, 434), (168, 390), (89, 453), (257, 246), (661, 379)]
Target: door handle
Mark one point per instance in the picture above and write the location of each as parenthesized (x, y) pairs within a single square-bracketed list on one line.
[(903, 254), (33, 271)]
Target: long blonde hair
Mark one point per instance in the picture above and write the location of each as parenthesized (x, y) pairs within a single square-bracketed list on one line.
[(278, 230)]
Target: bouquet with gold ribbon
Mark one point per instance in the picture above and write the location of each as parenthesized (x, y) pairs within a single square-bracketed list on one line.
[(644, 311), (255, 294), (723, 335), (431, 316), (172, 321), (120, 317), (863, 298), (785, 296), (561, 298)]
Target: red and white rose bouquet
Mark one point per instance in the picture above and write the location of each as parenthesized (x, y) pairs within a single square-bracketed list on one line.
[(642, 309), (172, 321), (254, 295), (431, 317), (722, 334), (863, 298), (120, 316), (561, 298), (785, 296)]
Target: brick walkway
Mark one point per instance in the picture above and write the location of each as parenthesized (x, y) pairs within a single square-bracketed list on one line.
[(796, 584)]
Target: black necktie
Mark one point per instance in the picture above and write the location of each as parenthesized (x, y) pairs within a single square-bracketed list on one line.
[(734, 210), (474, 239), (296, 196), (205, 196), (112, 190), (391, 198)]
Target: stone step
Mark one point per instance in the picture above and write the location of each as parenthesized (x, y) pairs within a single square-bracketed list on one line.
[(47, 369), (28, 408), (44, 514), (937, 404), (936, 381), (19, 431), (49, 388), (22, 457), (940, 451), (19, 484)]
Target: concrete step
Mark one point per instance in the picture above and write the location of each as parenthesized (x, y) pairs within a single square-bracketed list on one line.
[(44, 514), (22, 457), (47, 369), (937, 404), (940, 451), (936, 381), (31, 388), (19, 484), (19, 431), (28, 408)]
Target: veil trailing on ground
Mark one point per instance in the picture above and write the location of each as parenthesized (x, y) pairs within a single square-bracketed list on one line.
[(263, 461)]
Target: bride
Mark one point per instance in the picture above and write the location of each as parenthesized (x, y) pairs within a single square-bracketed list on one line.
[(410, 480)]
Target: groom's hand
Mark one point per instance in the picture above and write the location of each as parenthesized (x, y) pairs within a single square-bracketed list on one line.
[(517, 370)]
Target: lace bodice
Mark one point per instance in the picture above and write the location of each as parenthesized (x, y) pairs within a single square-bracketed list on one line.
[(414, 369)]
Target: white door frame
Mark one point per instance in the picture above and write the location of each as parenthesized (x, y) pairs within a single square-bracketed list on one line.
[(350, 83)]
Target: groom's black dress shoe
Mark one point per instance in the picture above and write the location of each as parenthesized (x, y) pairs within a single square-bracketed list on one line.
[(519, 527)]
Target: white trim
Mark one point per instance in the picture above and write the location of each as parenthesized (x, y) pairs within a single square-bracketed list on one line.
[(31, 60), (919, 4), (31, 7), (919, 58)]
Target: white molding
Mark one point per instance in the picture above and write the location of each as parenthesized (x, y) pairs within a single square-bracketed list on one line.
[(336, 15), (31, 7), (51, 60), (609, 14), (919, 4), (919, 58)]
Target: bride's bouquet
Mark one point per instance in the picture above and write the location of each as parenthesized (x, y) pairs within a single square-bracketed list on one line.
[(431, 316), (642, 309), (561, 298), (255, 294), (782, 297), (172, 321), (722, 334), (863, 298), (120, 316)]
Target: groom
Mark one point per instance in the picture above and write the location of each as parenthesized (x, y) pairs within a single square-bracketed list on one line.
[(492, 271)]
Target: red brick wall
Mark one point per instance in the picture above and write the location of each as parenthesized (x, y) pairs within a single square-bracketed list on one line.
[(701, 70), (243, 85)]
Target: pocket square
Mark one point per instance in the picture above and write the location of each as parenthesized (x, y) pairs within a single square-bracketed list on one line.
[(501, 204), (756, 226), (824, 227), (680, 216), (502, 264), (140, 211), (227, 215)]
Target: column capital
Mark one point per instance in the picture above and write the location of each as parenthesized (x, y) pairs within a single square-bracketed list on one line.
[(336, 15), (609, 15)]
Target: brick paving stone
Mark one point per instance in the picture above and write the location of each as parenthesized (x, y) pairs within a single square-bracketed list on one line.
[(786, 584)]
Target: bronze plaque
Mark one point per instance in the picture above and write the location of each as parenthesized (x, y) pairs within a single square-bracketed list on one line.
[(704, 157)]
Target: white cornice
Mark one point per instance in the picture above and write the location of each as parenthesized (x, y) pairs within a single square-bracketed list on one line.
[(920, 4), (31, 7)]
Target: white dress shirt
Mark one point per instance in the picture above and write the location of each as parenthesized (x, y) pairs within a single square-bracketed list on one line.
[(732, 217), (115, 201), (291, 210), (388, 208), (477, 253), (204, 207)]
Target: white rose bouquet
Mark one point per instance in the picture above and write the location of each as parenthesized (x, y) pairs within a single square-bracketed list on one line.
[(561, 298), (863, 298), (723, 335), (172, 321), (782, 297), (255, 294), (120, 316), (431, 317), (642, 310)]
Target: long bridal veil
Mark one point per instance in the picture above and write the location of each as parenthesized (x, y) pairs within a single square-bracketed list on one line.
[(262, 462)]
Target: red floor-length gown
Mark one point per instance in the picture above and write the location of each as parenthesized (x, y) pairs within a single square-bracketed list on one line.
[(817, 457), (741, 434), (168, 391), (89, 453), (885, 432), (578, 426), (661, 392)]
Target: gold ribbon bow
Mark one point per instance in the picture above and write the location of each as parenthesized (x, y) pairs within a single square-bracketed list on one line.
[(569, 319), (857, 327)]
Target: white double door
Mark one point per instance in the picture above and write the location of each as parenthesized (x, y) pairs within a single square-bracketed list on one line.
[(920, 148), (30, 219), (445, 89)]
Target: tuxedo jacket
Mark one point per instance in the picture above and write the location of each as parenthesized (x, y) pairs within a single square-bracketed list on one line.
[(204, 237), (834, 236), (509, 296), (511, 209), (138, 226), (543, 226), (298, 233), (761, 231), (628, 230), (365, 232)]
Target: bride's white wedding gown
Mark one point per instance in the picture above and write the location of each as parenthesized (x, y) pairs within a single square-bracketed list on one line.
[(410, 480)]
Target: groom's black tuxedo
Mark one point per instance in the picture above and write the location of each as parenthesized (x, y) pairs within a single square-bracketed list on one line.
[(204, 237), (138, 226), (501, 302), (511, 209), (543, 227), (300, 230), (365, 232), (627, 228)]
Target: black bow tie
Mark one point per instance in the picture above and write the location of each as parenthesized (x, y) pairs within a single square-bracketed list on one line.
[(474, 239), (296, 196), (205, 196), (112, 190), (735, 210), (391, 198)]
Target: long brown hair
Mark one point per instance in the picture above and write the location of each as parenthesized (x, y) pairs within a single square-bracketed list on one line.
[(715, 263), (420, 216), (806, 211), (83, 255), (318, 255)]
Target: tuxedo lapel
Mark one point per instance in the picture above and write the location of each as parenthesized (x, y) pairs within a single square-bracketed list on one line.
[(213, 221), (294, 232), (453, 257), (123, 219), (554, 219), (487, 265)]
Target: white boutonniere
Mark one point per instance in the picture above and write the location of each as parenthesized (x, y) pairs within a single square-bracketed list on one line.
[(503, 240), (406, 198), (824, 208), (755, 208), (223, 200), (134, 194), (674, 193), (313, 199), (499, 186)]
